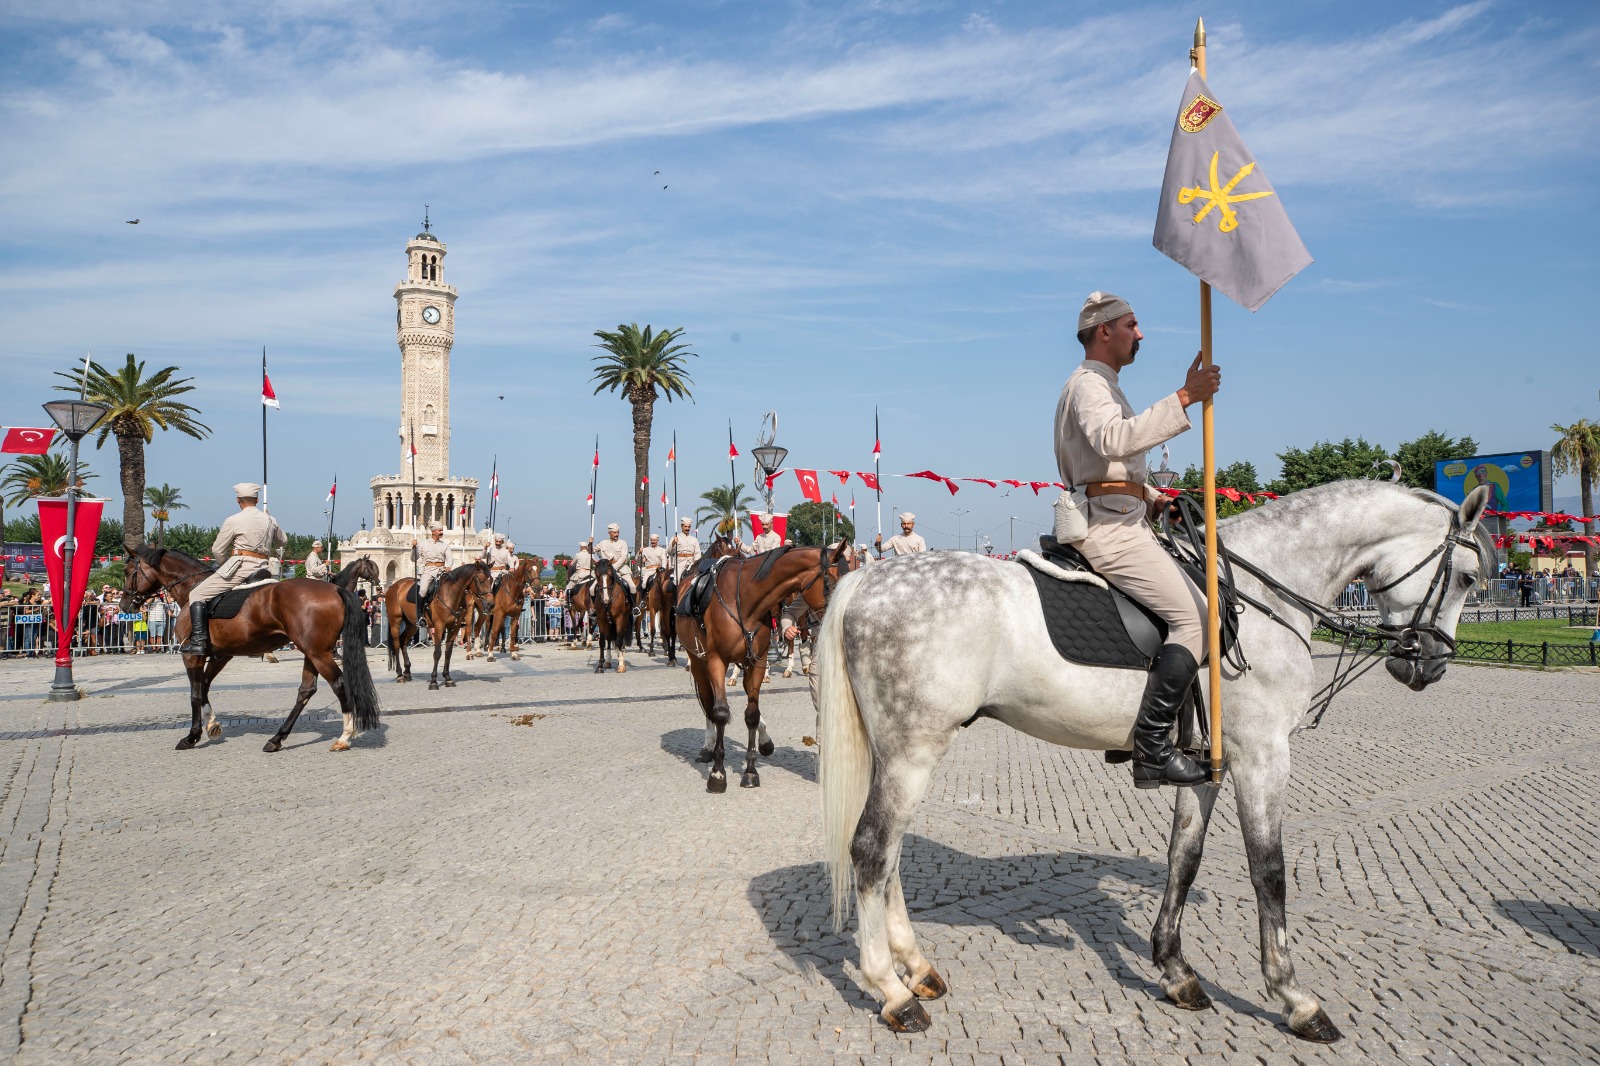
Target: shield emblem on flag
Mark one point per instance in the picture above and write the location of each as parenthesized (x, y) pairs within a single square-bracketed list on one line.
[(1201, 110)]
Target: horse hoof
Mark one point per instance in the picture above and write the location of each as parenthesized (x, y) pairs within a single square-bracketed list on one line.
[(717, 783), (489, 659), (1318, 1028), (931, 986), (788, 673), (449, 684), (622, 668), (704, 756), (909, 1017), (432, 686), (516, 657), (1188, 994), (340, 745), (766, 748), (186, 744), (750, 779), (271, 746), (214, 730)]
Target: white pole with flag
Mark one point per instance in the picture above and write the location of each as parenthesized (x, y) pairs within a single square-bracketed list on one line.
[(1248, 253)]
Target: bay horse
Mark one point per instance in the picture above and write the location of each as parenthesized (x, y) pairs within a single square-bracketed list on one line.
[(613, 615), (447, 609), (736, 629), (506, 602), (913, 648), (660, 599), (311, 614), (580, 604), (363, 569)]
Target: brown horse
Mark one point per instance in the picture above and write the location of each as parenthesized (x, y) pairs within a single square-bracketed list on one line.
[(363, 569), (736, 629), (613, 615), (506, 603), (660, 598), (312, 615), (447, 613)]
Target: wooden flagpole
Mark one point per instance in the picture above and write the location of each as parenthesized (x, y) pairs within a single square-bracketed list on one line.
[(1197, 56)]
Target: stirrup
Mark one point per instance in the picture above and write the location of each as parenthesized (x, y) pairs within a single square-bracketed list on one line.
[(1178, 770)]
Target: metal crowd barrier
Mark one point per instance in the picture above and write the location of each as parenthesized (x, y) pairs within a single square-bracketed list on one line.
[(29, 631)]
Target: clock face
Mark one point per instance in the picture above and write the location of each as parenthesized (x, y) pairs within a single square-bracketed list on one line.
[(430, 315)]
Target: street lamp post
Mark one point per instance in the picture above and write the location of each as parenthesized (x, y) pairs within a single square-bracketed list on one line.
[(958, 512), (769, 459), (76, 418)]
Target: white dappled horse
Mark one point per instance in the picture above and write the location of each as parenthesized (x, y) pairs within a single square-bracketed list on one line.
[(910, 650)]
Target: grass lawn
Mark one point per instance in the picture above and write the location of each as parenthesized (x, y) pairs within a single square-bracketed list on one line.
[(1531, 631)]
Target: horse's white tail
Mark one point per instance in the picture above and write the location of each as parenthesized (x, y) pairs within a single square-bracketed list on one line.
[(844, 769)]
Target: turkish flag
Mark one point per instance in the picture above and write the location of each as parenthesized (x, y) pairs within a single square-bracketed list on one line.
[(53, 531), (842, 475), (755, 523), (21, 441), (268, 397), (808, 485), (870, 479), (780, 526)]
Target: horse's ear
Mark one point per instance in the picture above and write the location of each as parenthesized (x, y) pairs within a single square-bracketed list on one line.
[(839, 552), (1472, 508)]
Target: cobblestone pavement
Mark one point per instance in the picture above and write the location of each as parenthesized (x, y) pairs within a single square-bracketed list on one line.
[(528, 867)]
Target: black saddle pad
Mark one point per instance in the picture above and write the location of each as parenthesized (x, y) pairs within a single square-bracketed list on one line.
[(693, 604), (230, 603), (1087, 627)]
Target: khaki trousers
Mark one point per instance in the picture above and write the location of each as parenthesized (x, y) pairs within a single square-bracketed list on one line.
[(1122, 548), (229, 576)]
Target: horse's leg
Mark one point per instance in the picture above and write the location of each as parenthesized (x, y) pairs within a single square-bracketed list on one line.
[(788, 667), (440, 638), (494, 623), (752, 722), (1260, 781), (622, 638), (516, 653), (308, 685), (449, 643), (331, 673), (899, 780), (717, 714), (1191, 814), (405, 648), (214, 667), (195, 667)]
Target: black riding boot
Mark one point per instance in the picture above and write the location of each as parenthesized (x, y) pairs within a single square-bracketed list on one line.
[(199, 642), (1155, 761)]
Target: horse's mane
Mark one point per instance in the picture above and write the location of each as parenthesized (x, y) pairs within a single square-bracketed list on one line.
[(1295, 507), (153, 557)]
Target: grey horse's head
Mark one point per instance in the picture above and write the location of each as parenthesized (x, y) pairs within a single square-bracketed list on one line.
[(1420, 601)]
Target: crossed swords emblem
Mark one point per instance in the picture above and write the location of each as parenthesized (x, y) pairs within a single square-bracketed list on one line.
[(1222, 197)]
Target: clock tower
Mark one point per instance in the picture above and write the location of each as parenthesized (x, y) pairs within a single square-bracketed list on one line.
[(404, 505)]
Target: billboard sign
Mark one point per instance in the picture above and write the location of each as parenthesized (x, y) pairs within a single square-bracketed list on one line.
[(1518, 481)]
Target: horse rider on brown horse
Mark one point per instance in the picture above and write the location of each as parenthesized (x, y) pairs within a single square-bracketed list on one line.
[(251, 536), (316, 566), (436, 558)]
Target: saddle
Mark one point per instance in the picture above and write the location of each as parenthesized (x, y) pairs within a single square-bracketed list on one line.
[(693, 604), (229, 604)]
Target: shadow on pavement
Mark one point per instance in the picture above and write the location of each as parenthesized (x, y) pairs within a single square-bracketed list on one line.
[(684, 744), (1025, 897), (1576, 928)]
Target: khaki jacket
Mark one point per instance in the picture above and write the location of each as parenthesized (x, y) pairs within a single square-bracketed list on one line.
[(251, 529)]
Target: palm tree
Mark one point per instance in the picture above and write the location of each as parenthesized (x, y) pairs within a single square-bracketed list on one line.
[(724, 504), (138, 405), (32, 476), (638, 364), (1578, 452), (163, 502)]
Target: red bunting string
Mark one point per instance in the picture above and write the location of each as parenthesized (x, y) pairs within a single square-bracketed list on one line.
[(1546, 516)]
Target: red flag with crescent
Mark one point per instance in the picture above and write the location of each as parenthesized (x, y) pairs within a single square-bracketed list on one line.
[(21, 440), (871, 480), (808, 485), (53, 532)]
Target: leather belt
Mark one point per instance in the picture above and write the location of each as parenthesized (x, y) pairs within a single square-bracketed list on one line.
[(1113, 488), (249, 554)]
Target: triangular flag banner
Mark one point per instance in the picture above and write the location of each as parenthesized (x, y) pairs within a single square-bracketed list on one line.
[(268, 397), (1219, 215), (332, 493), (733, 453), (871, 480)]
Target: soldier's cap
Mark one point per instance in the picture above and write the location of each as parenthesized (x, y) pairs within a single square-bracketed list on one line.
[(316, 544), (655, 536), (1100, 308), (613, 528), (498, 537), (247, 490), (436, 527), (907, 516)]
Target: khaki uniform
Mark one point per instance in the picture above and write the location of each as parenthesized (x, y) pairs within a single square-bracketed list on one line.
[(582, 569), (652, 559), (768, 540), (436, 558), (684, 550), (250, 530), (500, 559), (1099, 438), (315, 567), (905, 544), (616, 553)]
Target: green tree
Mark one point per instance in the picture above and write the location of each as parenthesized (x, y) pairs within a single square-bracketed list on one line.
[(24, 530), (191, 539), (816, 524), (724, 505), (1326, 461), (1241, 475), (139, 405), (1578, 452), (641, 365), (162, 502), (109, 540), (32, 476), (1418, 457)]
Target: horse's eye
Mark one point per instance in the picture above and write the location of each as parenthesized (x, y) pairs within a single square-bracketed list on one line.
[(1467, 581)]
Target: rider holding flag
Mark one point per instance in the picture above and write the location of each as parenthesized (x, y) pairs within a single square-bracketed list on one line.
[(1100, 445)]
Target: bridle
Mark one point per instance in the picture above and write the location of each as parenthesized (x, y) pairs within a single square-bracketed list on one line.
[(736, 609), (1408, 638), (140, 598)]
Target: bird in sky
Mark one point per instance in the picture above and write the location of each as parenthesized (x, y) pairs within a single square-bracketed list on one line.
[(133, 222)]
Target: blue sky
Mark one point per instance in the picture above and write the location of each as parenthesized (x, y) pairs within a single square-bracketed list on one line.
[(891, 204)]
